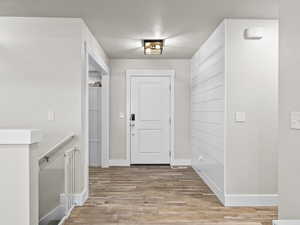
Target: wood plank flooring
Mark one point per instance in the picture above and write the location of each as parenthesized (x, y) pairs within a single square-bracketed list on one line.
[(159, 196)]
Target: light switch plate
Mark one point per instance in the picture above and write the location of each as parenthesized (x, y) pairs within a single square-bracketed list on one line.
[(51, 116), (240, 117), (295, 120), (200, 158)]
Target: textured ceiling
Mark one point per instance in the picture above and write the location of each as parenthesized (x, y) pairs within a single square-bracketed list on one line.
[(120, 25)]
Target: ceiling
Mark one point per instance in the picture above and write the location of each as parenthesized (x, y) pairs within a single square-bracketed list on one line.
[(120, 25)]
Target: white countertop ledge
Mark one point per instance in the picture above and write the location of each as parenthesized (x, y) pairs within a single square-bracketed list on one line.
[(20, 136)]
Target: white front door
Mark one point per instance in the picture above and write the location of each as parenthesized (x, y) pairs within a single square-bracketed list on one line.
[(150, 120)]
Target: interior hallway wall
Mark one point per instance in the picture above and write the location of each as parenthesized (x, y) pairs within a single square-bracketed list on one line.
[(252, 87), (40, 71), (289, 92), (118, 103), (208, 108), (238, 159), (41, 65)]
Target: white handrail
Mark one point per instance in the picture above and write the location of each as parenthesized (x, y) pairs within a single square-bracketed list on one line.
[(46, 156)]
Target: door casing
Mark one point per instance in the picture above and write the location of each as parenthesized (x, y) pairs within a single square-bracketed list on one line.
[(149, 73)]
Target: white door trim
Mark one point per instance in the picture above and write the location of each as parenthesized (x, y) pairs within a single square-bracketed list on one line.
[(150, 73), (105, 103)]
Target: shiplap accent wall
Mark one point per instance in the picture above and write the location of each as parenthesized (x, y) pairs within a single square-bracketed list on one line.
[(207, 109), (232, 73)]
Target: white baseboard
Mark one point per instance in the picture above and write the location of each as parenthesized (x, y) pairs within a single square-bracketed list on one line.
[(286, 222), (212, 185), (119, 162), (80, 198), (240, 200), (251, 200), (77, 199), (181, 162), (66, 216), (126, 163), (105, 164), (55, 214)]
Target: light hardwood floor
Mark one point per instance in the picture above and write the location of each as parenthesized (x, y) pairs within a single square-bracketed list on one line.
[(159, 196)]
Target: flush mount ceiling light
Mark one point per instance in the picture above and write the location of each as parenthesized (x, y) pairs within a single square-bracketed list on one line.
[(153, 47)]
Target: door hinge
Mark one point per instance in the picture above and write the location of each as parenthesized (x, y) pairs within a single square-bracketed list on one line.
[(170, 120), (170, 153)]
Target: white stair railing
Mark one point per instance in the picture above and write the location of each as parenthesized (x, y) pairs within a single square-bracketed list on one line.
[(71, 159), (60, 165), (46, 157)]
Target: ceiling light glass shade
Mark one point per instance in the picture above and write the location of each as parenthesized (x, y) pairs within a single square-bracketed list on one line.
[(148, 51), (153, 47)]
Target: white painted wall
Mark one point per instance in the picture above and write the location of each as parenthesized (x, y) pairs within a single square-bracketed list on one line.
[(252, 87), (241, 164), (118, 103), (208, 108), (289, 140), (42, 68), (40, 71)]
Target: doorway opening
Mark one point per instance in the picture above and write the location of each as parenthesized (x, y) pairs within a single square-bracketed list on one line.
[(95, 117), (97, 109)]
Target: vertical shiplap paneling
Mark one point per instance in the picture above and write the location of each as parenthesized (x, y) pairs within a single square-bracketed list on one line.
[(207, 108)]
